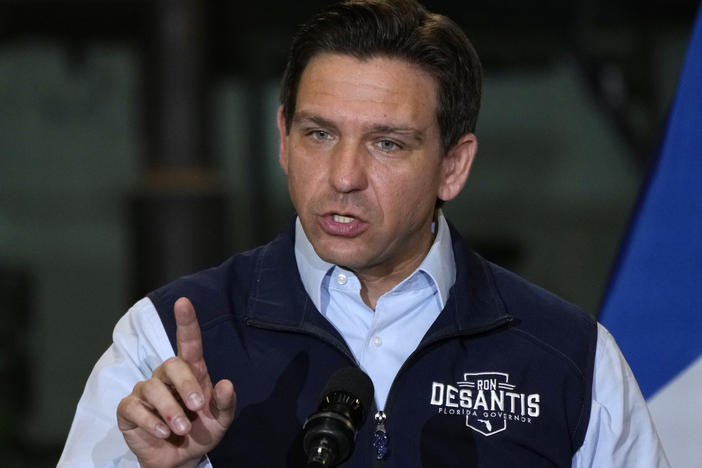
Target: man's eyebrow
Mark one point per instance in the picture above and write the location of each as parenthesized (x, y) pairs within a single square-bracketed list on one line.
[(411, 132), (306, 117)]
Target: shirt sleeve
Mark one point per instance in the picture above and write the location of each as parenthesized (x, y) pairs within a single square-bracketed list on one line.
[(140, 344), (620, 432)]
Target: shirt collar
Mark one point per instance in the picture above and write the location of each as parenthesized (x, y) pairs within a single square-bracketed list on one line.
[(439, 264)]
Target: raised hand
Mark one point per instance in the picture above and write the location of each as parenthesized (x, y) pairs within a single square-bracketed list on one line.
[(177, 416)]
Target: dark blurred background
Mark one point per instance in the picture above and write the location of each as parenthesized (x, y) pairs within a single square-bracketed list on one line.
[(138, 143)]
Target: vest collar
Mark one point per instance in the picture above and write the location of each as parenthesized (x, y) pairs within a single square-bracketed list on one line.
[(278, 299)]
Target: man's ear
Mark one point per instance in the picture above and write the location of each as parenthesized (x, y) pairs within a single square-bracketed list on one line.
[(456, 166), (282, 131)]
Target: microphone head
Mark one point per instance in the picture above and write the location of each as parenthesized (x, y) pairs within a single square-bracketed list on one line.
[(330, 433), (349, 382)]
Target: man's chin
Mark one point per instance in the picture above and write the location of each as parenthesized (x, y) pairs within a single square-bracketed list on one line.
[(348, 258)]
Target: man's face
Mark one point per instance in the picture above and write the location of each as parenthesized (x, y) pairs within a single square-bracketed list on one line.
[(364, 163)]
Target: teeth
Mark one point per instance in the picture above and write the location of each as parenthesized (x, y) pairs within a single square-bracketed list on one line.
[(342, 219)]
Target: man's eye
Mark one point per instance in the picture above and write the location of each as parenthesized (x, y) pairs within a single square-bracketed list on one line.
[(320, 135), (387, 145)]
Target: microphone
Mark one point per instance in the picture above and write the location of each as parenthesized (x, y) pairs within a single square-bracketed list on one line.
[(330, 432)]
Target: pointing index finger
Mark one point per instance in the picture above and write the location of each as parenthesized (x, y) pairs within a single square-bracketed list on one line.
[(188, 335)]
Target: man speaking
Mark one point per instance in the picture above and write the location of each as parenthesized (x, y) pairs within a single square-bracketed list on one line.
[(471, 365)]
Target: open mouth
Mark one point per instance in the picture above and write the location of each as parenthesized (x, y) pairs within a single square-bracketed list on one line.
[(342, 225), (342, 219)]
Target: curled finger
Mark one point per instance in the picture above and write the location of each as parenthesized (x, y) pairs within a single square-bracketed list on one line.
[(132, 413), (166, 404), (178, 375)]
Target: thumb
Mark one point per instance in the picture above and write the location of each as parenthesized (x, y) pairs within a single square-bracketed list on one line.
[(223, 402)]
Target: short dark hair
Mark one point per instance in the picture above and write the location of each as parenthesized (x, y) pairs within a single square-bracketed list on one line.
[(401, 29)]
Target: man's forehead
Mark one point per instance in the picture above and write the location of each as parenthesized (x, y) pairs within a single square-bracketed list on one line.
[(390, 92), (392, 73)]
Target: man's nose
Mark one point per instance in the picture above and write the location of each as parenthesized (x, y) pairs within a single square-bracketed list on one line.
[(348, 168)]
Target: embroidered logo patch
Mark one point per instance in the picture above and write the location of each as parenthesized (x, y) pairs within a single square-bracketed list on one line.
[(487, 401)]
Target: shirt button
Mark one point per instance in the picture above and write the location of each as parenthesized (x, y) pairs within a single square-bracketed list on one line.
[(377, 342), (341, 279)]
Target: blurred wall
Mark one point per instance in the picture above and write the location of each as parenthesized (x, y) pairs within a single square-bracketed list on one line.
[(68, 155)]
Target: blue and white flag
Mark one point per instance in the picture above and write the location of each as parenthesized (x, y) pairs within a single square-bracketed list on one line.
[(654, 304)]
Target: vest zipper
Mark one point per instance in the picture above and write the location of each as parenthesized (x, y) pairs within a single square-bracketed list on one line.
[(380, 436)]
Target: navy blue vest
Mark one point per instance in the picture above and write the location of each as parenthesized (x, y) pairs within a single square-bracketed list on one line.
[(503, 378)]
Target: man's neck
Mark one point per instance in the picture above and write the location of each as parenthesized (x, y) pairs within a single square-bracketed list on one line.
[(377, 281)]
